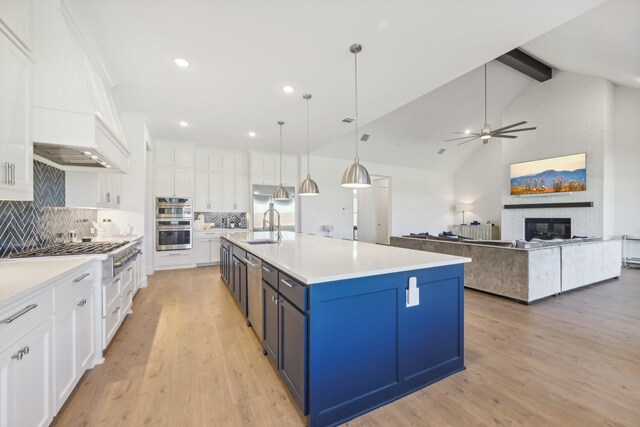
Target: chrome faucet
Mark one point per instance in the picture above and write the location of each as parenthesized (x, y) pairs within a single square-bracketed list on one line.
[(270, 220)]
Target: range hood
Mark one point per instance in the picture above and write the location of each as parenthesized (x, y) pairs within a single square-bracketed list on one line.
[(74, 113)]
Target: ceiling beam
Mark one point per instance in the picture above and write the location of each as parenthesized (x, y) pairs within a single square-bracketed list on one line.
[(527, 65)]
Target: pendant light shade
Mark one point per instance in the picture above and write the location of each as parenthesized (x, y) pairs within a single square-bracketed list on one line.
[(356, 176), (308, 186), (281, 193)]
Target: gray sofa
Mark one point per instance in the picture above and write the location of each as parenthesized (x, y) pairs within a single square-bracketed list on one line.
[(532, 273)]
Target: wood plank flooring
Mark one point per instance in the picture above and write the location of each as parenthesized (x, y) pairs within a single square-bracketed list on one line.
[(186, 358)]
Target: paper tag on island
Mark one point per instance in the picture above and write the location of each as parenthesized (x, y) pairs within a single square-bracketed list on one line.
[(413, 293)]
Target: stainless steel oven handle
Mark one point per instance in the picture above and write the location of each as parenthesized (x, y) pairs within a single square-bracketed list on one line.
[(178, 228)]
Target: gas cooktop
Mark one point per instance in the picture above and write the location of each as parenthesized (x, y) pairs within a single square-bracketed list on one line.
[(88, 248)]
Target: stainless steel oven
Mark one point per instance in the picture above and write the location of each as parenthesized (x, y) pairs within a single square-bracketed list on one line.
[(174, 207), (173, 234)]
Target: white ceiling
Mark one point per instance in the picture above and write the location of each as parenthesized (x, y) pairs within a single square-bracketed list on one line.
[(243, 52), (413, 134), (603, 42)]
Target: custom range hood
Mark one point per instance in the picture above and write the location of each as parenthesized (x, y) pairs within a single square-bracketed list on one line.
[(75, 122)]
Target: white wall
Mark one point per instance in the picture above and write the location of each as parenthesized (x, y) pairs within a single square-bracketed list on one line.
[(479, 182), (627, 161), (421, 200), (573, 115)]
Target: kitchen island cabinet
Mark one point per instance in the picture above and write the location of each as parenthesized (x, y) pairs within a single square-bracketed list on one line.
[(357, 325)]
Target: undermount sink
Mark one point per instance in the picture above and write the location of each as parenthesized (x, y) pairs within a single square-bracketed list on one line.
[(260, 241)]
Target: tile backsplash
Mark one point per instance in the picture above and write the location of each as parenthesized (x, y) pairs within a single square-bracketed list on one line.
[(224, 219), (26, 226)]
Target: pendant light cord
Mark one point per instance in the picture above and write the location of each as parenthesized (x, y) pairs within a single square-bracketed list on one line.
[(280, 154), (308, 143), (356, 80), (485, 94)]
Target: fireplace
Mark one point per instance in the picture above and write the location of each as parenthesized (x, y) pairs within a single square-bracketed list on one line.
[(547, 228)]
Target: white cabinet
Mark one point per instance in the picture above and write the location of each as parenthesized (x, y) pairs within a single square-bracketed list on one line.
[(172, 181), (74, 338), (265, 168), (16, 152), (25, 374), (174, 155), (235, 192), (207, 248), (209, 160), (208, 191), (93, 189), (166, 260)]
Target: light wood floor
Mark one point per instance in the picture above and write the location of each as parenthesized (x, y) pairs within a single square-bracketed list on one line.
[(186, 358)]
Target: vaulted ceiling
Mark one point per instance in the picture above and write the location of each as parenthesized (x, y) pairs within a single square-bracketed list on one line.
[(243, 52)]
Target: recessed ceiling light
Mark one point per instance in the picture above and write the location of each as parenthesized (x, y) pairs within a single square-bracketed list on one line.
[(181, 62), (87, 153), (184, 124), (94, 157), (252, 134), (287, 89)]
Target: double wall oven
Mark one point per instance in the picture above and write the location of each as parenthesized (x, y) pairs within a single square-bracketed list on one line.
[(174, 223)]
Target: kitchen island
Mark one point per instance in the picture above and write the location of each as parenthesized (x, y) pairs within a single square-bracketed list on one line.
[(350, 326)]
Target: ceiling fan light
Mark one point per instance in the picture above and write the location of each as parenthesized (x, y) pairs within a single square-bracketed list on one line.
[(485, 136), (309, 187), (356, 176)]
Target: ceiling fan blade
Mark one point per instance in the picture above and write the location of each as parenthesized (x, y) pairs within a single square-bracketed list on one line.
[(517, 130), (508, 127), (465, 133), (464, 142), (442, 150), (464, 137), (503, 136)]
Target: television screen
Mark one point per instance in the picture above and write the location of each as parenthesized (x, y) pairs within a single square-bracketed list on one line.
[(555, 175)]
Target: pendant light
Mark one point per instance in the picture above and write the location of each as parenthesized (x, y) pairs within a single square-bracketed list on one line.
[(308, 186), (356, 176), (281, 193)]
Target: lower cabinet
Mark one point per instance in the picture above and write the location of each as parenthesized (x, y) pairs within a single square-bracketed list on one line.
[(239, 288), (207, 250), (74, 337), (25, 373), (292, 334), (270, 323)]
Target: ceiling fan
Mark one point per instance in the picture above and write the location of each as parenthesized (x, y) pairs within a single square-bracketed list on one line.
[(486, 133)]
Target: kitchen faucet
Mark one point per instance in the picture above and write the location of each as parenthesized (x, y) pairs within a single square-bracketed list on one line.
[(265, 220)]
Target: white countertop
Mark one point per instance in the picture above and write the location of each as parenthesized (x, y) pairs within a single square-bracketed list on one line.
[(22, 274), (317, 259)]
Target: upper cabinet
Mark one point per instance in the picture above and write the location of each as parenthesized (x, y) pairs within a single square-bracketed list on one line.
[(174, 169), (265, 168), (16, 149), (170, 154), (73, 101), (93, 189)]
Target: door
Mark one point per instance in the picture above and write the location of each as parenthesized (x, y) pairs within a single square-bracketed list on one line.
[(292, 328), (381, 200), (270, 323), (85, 331), (201, 192), (65, 350), (16, 165), (164, 181), (242, 193), (25, 377), (183, 181), (215, 191)]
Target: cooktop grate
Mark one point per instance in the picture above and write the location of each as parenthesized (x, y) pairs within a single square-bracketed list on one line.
[(88, 248)]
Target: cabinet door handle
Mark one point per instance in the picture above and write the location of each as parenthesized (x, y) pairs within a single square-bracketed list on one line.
[(108, 197), (20, 313), (78, 279), (18, 356), (118, 199), (129, 269), (291, 285), (116, 310), (6, 173), (13, 174), (25, 349), (82, 303), (130, 292), (266, 269), (116, 281)]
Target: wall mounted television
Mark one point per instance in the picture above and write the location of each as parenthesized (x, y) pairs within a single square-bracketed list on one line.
[(553, 175)]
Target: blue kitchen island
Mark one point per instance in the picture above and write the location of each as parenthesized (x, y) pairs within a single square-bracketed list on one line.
[(350, 326)]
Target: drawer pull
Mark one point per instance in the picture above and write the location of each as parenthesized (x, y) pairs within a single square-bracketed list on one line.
[(116, 310), (78, 279), (266, 269), (291, 285), (129, 269), (18, 314), (129, 293), (116, 281)]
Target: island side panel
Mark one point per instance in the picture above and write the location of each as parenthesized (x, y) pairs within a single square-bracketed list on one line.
[(367, 348)]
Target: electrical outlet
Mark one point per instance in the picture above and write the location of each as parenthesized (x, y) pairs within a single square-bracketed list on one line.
[(413, 293)]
